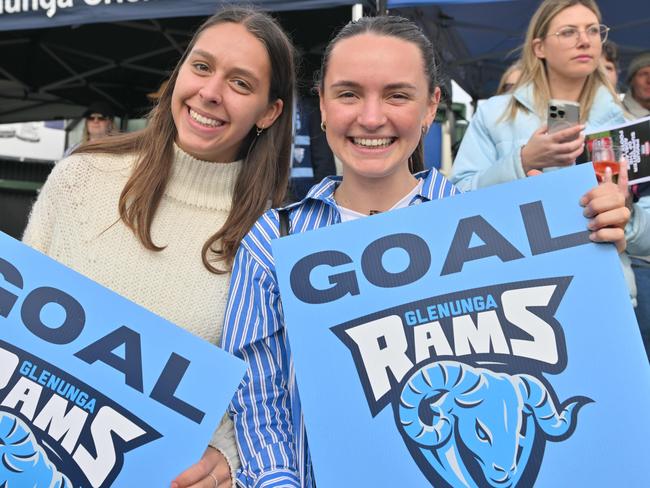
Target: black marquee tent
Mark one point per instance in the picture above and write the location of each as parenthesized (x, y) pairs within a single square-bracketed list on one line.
[(60, 55)]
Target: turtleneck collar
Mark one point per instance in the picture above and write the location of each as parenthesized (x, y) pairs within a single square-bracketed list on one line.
[(202, 183)]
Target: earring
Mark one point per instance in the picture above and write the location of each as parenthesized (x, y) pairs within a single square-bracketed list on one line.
[(323, 127), (425, 130), (259, 130)]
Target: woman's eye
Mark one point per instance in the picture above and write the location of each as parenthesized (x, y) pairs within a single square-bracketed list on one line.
[(200, 66), (593, 31), (241, 85), (568, 33)]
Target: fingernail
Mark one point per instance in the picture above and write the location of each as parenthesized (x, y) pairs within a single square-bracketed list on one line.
[(583, 201), (592, 236)]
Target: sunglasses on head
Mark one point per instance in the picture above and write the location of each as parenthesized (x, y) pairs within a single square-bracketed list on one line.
[(96, 117)]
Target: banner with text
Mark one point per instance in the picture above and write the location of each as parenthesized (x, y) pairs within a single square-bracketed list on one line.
[(38, 14), (96, 391), (476, 341)]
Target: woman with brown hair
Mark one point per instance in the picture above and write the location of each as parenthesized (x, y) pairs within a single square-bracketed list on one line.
[(157, 215)]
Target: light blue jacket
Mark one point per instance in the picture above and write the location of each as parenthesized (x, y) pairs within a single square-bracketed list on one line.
[(491, 153), (491, 149)]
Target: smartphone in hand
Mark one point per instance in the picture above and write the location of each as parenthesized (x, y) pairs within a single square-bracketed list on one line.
[(562, 114)]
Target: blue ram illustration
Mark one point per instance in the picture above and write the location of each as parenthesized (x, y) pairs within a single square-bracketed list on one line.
[(23, 462), (476, 427)]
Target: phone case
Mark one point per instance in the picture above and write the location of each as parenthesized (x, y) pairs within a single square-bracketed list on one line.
[(562, 114)]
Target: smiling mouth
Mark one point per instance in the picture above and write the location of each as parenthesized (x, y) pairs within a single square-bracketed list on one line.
[(205, 121), (373, 143)]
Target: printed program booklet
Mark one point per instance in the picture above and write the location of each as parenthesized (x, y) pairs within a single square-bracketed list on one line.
[(634, 137)]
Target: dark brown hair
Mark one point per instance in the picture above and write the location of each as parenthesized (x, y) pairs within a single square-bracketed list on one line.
[(265, 170), (392, 26)]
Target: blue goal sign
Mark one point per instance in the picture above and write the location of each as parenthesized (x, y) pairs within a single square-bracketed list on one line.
[(480, 340), (96, 391)]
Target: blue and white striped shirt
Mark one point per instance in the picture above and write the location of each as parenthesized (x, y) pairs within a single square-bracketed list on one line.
[(266, 408)]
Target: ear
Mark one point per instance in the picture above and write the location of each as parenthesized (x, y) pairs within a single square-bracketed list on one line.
[(432, 107), (323, 112), (538, 48), (271, 114)]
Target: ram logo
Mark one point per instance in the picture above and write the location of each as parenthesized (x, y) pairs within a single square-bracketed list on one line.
[(471, 427), (23, 462)]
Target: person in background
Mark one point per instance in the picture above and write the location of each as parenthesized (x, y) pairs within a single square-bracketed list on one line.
[(508, 138), (157, 215), (99, 121), (637, 105), (609, 60), (637, 97), (509, 78), (379, 91)]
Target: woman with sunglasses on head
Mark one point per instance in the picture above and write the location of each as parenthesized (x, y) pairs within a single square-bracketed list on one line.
[(508, 138), (157, 215), (378, 95)]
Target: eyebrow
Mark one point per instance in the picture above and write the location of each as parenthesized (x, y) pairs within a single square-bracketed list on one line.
[(391, 86), (575, 26), (237, 70)]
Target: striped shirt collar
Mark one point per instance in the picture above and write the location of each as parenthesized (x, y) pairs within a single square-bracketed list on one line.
[(324, 191)]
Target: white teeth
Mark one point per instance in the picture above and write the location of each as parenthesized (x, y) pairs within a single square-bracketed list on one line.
[(387, 141), (204, 120)]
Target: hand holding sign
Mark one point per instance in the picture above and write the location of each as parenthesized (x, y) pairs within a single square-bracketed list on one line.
[(605, 206), (211, 470)]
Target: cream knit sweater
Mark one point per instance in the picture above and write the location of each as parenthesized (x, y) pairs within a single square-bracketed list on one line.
[(75, 221)]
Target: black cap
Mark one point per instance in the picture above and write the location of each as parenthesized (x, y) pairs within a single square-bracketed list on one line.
[(101, 108)]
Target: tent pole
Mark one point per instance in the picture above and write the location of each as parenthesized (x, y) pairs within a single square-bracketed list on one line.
[(357, 11)]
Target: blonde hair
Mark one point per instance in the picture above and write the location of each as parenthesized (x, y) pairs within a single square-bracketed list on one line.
[(534, 69), (503, 88)]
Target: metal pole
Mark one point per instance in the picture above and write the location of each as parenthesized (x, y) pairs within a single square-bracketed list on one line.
[(382, 7), (357, 11)]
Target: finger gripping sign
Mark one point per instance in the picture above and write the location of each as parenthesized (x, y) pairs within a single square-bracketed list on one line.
[(475, 341), (93, 387)]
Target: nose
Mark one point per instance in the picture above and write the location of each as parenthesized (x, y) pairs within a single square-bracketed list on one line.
[(212, 90), (372, 115), (583, 38)]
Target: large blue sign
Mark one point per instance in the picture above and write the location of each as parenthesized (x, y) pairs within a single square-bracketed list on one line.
[(96, 391), (476, 341)]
